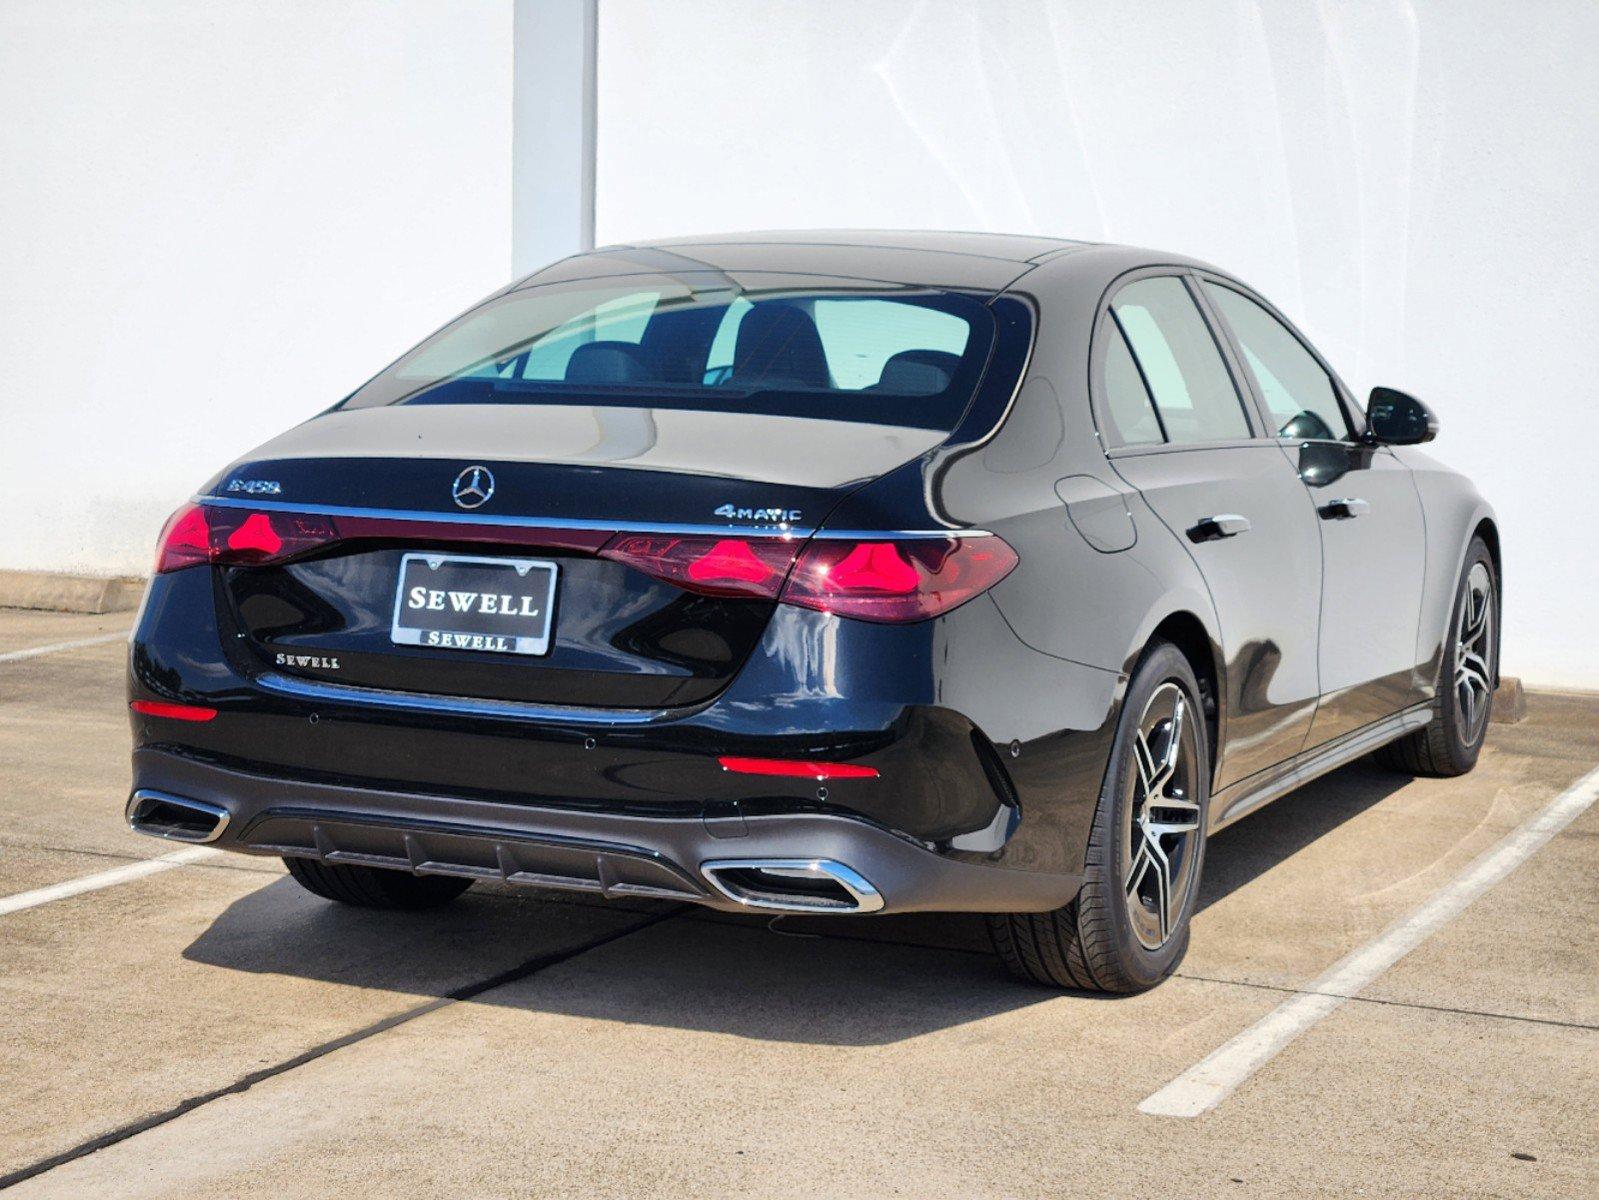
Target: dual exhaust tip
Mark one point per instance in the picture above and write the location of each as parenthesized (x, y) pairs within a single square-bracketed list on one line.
[(176, 818), (793, 885), (796, 885)]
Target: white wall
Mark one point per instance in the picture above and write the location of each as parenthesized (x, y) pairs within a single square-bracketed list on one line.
[(215, 220), (1414, 183)]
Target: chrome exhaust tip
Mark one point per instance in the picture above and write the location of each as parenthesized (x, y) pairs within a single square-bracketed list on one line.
[(176, 818), (800, 885)]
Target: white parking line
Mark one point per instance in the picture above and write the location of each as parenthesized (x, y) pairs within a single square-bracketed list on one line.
[(34, 652), (1209, 1082), (104, 879)]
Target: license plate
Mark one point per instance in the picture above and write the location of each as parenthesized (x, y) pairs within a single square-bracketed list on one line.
[(454, 602)]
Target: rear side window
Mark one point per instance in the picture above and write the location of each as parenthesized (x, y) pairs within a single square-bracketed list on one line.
[(1299, 394), (1179, 362), (836, 349), (1132, 413)]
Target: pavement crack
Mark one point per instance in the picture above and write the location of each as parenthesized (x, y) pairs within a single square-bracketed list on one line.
[(244, 1083), (1415, 1004)]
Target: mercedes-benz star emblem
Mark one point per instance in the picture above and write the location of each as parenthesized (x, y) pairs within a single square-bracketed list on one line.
[(473, 487)]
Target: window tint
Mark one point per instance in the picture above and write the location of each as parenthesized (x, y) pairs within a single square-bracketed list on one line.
[(1131, 412), (620, 320), (1300, 396), (840, 350), (859, 337), (1184, 370)]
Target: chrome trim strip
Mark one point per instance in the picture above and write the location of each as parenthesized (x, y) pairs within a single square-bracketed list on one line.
[(480, 518), (339, 693), (867, 898), (210, 810), (866, 535)]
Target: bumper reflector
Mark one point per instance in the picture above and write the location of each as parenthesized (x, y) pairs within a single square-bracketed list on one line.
[(797, 768), (176, 712)]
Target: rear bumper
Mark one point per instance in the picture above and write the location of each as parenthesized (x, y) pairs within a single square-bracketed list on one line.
[(614, 855)]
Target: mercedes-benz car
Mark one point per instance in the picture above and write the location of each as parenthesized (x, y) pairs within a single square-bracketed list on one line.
[(824, 573)]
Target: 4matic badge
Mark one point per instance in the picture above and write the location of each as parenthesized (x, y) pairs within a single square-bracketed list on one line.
[(769, 516)]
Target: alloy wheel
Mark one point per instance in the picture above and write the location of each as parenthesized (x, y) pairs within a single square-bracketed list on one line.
[(1474, 653), (1160, 839)]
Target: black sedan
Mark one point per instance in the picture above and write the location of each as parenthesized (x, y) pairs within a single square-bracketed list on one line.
[(819, 573)]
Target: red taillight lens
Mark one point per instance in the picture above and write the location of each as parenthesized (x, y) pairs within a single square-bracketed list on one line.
[(238, 537), (251, 539), (255, 536), (714, 566), (185, 540), (175, 712), (797, 768), (883, 580), (899, 581)]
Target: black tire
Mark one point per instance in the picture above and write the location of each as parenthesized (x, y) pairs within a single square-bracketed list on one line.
[(371, 887), (1092, 944), (1449, 744)]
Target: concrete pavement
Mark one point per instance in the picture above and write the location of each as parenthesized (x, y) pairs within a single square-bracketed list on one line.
[(212, 1030)]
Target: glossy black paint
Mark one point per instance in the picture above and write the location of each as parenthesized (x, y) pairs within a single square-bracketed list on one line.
[(631, 642), (1312, 634), (1399, 419)]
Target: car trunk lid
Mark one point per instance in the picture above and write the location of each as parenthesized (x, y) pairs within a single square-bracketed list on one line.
[(405, 504)]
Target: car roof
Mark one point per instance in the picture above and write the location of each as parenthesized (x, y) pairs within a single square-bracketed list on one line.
[(1011, 247), (980, 261)]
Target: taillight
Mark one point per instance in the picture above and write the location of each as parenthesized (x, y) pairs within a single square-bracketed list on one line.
[(889, 581), (239, 537), (897, 581), (185, 540), (710, 565)]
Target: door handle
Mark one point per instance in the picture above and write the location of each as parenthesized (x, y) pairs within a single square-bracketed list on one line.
[(1343, 509), (1223, 525)]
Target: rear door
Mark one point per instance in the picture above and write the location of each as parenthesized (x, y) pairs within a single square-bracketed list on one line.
[(1178, 430), (1368, 513)]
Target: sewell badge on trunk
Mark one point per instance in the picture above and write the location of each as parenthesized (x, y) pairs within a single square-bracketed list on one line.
[(456, 602)]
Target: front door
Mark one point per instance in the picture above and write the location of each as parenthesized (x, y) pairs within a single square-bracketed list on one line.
[(1368, 512)]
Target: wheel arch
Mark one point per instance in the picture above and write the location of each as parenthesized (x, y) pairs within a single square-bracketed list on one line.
[(1187, 631), (1488, 530)]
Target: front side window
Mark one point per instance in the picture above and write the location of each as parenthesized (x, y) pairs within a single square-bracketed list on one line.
[(1179, 362), (835, 349), (1299, 394)]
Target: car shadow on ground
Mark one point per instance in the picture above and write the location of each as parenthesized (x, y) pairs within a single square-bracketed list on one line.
[(809, 980)]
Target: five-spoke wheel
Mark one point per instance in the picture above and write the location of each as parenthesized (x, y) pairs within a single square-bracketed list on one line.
[(1474, 647), (1128, 927), (1162, 815), (1450, 742)]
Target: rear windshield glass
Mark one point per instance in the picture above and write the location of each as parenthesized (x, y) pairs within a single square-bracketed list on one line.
[(843, 351)]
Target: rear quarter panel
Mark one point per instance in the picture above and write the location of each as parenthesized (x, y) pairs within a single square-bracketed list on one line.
[(1453, 510)]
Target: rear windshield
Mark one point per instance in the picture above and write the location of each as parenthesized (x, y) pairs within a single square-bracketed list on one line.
[(844, 351)]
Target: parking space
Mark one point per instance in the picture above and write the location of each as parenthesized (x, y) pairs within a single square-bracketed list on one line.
[(212, 1030)]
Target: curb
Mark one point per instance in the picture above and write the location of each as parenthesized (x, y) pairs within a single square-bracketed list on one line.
[(1510, 702), (69, 593)]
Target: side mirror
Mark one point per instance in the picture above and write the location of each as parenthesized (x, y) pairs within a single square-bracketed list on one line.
[(1396, 418)]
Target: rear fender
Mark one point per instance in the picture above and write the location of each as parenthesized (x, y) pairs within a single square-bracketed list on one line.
[(1453, 510)]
